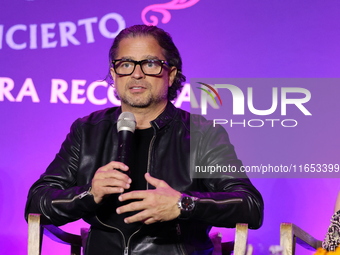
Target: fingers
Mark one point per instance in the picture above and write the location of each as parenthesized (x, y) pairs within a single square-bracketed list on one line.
[(115, 165), (137, 194), (149, 213), (155, 205), (132, 207), (155, 182), (109, 180), (142, 216), (110, 186), (111, 175)]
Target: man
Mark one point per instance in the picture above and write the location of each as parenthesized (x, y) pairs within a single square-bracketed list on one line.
[(155, 205)]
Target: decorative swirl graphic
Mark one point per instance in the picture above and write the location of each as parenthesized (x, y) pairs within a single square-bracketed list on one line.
[(209, 93), (163, 9)]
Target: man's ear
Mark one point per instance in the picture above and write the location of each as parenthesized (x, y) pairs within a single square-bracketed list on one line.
[(172, 75)]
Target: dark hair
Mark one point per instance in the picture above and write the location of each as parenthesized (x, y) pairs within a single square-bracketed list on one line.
[(164, 40)]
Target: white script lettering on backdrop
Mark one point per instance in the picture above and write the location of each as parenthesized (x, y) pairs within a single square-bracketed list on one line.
[(80, 93), (59, 34)]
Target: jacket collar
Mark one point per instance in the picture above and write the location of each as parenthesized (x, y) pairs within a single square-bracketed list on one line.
[(162, 120), (165, 117)]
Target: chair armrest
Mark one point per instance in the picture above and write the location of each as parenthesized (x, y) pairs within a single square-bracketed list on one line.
[(60, 236), (52, 231), (239, 245), (290, 234), (241, 237), (34, 234), (38, 225)]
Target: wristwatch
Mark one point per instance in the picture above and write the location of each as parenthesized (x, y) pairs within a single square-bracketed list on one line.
[(186, 204)]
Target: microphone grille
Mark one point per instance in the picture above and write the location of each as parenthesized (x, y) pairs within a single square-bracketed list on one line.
[(126, 121)]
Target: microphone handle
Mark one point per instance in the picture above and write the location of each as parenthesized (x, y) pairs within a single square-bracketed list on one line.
[(124, 152)]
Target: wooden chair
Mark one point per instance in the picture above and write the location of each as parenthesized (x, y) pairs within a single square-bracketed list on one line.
[(290, 235), (37, 227), (237, 247)]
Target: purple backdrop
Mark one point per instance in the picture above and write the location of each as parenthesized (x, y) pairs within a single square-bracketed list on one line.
[(53, 56)]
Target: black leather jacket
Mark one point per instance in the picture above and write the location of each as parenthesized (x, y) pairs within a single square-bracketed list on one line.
[(181, 144)]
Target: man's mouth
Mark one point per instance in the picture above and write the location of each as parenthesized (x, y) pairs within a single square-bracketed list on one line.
[(137, 87)]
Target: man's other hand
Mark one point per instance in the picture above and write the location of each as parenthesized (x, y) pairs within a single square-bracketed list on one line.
[(108, 180), (155, 205)]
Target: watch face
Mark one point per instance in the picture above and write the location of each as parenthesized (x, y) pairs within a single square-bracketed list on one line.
[(187, 203)]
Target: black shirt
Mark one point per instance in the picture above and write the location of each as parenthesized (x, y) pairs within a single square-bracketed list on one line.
[(139, 162)]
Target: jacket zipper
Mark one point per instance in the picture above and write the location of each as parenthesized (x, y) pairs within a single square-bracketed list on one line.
[(149, 157), (80, 196), (126, 249), (225, 201), (178, 228)]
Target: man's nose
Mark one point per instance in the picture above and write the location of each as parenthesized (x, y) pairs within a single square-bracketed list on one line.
[(138, 73)]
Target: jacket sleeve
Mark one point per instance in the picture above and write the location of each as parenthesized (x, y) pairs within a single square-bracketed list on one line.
[(228, 196), (56, 194)]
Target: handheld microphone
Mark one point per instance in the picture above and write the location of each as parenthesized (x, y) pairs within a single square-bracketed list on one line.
[(126, 126)]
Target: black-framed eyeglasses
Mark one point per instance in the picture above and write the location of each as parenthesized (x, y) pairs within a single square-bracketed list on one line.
[(148, 66)]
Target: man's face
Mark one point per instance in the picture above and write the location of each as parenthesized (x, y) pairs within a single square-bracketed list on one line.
[(140, 90)]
